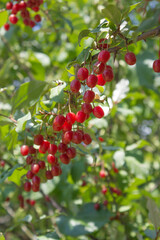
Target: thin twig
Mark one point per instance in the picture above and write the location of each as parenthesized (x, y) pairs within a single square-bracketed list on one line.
[(150, 34)]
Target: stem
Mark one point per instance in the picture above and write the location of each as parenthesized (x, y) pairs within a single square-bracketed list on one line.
[(157, 234), (10, 118), (150, 34)]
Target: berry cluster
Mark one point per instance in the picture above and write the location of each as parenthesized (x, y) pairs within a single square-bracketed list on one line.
[(106, 183), (23, 7)]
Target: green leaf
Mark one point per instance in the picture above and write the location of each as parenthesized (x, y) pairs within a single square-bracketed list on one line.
[(137, 168), (150, 233), (21, 123), (28, 94), (57, 93), (84, 55), (129, 9), (3, 17), (49, 236), (16, 175), (119, 158), (87, 220), (8, 173), (154, 213), (82, 34), (12, 138), (2, 236), (140, 144), (112, 14), (27, 218), (77, 169)]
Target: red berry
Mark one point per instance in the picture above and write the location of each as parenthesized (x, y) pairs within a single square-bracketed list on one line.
[(101, 81), (101, 139), (56, 171), (87, 108), (67, 137), (71, 152), (32, 202), (98, 112), (36, 180), (35, 168), (64, 158), (105, 203), (49, 174), (9, 5), (91, 81), (116, 191), (108, 75), (6, 26), (37, 18), (26, 21), (114, 168), (71, 118), (24, 150), (130, 58), (77, 137), (29, 174), (102, 43), (82, 74), (42, 164), (97, 206), (89, 96), (22, 5), (104, 190), (25, 14), (27, 186), (15, 8), (156, 65), (59, 120), (87, 139), (32, 150), (62, 148), (35, 9), (35, 188), (29, 159), (32, 24), (44, 146), (102, 174), (56, 128), (80, 116), (13, 19), (75, 86), (98, 67), (103, 56), (2, 163), (52, 159), (52, 149), (66, 126)]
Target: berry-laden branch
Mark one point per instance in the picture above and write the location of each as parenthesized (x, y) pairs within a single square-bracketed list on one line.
[(149, 34)]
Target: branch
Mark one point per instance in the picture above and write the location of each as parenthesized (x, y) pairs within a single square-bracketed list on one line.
[(150, 34), (54, 203), (10, 118)]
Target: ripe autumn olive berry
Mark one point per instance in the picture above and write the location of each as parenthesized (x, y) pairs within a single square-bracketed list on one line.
[(130, 58), (103, 56), (75, 86), (156, 65), (82, 73), (98, 112)]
